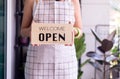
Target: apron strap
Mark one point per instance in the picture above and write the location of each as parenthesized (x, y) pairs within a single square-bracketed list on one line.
[(35, 6)]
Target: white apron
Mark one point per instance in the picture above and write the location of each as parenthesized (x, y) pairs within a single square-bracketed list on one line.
[(52, 61)]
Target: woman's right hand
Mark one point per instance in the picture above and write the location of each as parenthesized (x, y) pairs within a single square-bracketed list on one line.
[(26, 32)]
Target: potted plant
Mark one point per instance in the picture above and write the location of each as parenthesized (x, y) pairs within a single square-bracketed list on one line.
[(103, 58)]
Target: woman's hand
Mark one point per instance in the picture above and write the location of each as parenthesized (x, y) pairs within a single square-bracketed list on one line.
[(26, 32)]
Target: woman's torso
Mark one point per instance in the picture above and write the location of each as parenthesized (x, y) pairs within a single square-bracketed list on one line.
[(50, 11)]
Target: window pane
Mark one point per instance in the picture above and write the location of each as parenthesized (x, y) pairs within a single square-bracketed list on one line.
[(2, 38)]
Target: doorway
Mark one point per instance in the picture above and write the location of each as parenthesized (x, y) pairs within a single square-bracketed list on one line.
[(20, 46)]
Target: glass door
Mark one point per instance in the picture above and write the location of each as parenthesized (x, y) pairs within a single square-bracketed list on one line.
[(2, 37)]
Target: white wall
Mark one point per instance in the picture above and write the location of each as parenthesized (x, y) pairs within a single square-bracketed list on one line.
[(10, 38), (93, 12)]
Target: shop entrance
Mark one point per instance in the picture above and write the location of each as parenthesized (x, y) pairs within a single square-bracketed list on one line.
[(20, 43)]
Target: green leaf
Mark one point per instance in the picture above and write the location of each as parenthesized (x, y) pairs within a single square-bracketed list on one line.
[(85, 62), (114, 50), (80, 46)]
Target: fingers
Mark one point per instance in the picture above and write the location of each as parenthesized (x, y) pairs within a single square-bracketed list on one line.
[(35, 44), (68, 44)]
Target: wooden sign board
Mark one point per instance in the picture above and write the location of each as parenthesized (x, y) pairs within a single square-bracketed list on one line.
[(42, 33)]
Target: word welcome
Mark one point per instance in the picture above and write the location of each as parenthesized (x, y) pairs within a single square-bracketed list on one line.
[(45, 28)]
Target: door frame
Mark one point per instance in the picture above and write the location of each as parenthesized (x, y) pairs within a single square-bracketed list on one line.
[(10, 39)]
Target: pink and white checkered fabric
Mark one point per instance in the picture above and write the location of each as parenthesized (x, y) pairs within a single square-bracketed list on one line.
[(51, 11), (52, 61)]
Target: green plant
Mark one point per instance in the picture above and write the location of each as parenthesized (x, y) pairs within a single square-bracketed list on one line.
[(80, 46), (80, 49)]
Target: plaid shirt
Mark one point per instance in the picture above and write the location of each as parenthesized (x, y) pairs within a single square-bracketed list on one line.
[(52, 61)]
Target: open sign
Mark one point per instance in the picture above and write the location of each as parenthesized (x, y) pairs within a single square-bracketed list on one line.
[(42, 33)]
